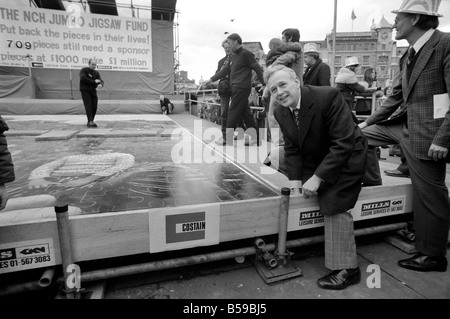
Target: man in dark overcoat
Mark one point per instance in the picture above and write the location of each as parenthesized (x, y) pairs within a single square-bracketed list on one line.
[(317, 72), (325, 156)]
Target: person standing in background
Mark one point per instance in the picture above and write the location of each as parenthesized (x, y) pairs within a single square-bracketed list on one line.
[(6, 165), (224, 87), (347, 83), (364, 106), (291, 37), (317, 72), (90, 81), (240, 68)]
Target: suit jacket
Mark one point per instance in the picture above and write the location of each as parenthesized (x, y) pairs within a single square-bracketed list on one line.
[(328, 144), (318, 74), (430, 77), (165, 102), (87, 79)]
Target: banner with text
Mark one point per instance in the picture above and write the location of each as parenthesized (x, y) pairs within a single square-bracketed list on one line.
[(68, 39)]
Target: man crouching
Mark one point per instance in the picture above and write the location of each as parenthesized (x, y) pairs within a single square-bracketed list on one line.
[(325, 156)]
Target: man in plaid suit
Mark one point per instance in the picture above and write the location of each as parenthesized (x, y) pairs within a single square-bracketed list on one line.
[(422, 127)]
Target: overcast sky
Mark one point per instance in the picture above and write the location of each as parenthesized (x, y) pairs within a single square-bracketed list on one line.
[(202, 24)]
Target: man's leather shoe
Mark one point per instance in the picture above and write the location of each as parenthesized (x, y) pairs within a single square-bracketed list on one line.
[(340, 279), (370, 185), (396, 173), (421, 262)]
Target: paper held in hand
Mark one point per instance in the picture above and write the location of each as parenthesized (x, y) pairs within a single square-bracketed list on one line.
[(441, 104)]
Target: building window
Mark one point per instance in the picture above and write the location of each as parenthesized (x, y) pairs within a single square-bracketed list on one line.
[(372, 46), (366, 46), (383, 47), (366, 60), (338, 60), (383, 59)]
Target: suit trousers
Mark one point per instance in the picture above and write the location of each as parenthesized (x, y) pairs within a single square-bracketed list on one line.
[(90, 101), (239, 110), (224, 105), (340, 245), (430, 193)]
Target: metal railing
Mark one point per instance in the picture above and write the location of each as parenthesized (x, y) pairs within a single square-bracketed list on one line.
[(204, 99), (376, 103)]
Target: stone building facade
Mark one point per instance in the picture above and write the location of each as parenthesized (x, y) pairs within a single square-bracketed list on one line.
[(374, 49)]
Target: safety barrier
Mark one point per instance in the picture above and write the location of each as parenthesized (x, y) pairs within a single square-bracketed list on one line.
[(376, 102), (274, 257), (204, 99)]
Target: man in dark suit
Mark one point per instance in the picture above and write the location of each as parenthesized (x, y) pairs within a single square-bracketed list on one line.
[(90, 81), (240, 67), (421, 127), (325, 155), (224, 88)]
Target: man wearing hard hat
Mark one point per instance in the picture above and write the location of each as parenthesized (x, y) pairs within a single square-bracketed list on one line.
[(347, 82), (317, 72), (422, 127)]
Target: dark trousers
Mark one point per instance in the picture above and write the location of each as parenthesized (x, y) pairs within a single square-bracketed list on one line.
[(224, 105), (168, 108), (430, 193), (372, 177), (90, 101), (239, 110)]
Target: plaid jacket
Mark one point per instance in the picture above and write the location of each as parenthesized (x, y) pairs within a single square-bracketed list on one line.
[(430, 77)]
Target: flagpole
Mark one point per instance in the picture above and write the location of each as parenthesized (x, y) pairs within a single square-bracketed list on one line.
[(333, 59)]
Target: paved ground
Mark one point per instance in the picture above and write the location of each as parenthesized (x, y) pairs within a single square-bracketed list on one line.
[(229, 279)]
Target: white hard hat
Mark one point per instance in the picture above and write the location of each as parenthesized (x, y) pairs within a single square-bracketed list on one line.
[(310, 48), (353, 60), (425, 7)]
